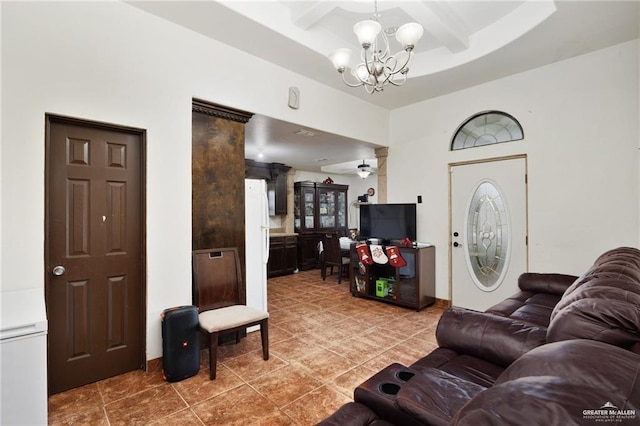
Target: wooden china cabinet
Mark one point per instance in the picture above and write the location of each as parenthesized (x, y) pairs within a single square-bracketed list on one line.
[(318, 208)]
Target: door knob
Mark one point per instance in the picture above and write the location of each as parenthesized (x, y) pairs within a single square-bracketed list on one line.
[(58, 270)]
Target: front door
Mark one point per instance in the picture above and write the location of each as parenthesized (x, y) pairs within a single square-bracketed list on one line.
[(488, 231), (94, 251)]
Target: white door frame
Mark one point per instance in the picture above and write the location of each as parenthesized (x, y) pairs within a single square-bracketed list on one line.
[(526, 195)]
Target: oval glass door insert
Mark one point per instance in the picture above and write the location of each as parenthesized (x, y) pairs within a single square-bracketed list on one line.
[(487, 245)]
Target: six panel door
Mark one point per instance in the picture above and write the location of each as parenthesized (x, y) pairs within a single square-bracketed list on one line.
[(94, 283)]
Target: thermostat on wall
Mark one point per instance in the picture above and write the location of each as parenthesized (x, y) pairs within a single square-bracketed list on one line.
[(294, 97)]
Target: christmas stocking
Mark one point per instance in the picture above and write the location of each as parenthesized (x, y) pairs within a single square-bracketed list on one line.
[(395, 258), (378, 254), (363, 254)]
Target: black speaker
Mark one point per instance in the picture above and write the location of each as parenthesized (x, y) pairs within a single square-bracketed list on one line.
[(180, 343)]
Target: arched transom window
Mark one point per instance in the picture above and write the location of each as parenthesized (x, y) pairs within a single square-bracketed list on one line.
[(487, 128)]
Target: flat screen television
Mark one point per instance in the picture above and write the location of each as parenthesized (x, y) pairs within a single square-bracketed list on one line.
[(388, 221)]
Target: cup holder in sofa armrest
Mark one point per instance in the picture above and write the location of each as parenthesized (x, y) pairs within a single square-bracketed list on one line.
[(405, 375), (390, 389), (381, 390)]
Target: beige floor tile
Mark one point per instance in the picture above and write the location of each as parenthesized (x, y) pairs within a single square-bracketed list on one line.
[(185, 417), (348, 381), (74, 402), (199, 387), (145, 407), (128, 384), (285, 385), (251, 365), (94, 416), (316, 405), (323, 363), (240, 406)]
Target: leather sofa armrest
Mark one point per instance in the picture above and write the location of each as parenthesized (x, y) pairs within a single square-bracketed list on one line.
[(499, 340), (433, 397), (354, 414), (545, 283)]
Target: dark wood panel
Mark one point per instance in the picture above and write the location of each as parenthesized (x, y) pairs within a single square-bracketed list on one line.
[(78, 217), (217, 182), (308, 250), (115, 219), (78, 150), (276, 263), (290, 254), (117, 312), (79, 342), (116, 155), (216, 276), (218, 172), (283, 256)]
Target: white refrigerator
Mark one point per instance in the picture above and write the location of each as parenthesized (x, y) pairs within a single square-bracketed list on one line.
[(23, 358), (256, 243)]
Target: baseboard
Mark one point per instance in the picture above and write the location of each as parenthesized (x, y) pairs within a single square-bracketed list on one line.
[(442, 303)]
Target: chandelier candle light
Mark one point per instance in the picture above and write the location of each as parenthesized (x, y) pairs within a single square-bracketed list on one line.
[(378, 66)]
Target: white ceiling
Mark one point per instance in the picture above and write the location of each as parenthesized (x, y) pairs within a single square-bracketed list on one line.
[(465, 43)]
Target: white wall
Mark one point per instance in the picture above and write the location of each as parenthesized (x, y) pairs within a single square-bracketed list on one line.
[(111, 62), (580, 119)]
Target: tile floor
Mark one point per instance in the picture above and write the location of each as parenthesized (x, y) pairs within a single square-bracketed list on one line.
[(323, 343)]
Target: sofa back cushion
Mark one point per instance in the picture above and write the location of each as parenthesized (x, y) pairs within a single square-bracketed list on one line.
[(538, 401), (595, 363), (560, 383), (603, 304), (545, 283)]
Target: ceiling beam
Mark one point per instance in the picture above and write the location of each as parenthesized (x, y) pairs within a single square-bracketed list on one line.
[(307, 14), (441, 22)]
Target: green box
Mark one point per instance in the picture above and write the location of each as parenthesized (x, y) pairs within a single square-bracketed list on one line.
[(381, 288)]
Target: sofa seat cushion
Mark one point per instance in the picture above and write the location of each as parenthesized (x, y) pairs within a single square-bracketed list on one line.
[(469, 368), (538, 295), (527, 306), (435, 396), (489, 337)]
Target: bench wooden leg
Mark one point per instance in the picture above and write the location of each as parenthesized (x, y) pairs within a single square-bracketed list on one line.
[(264, 336), (213, 354)]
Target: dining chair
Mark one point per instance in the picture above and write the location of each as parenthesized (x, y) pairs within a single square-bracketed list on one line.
[(217, 277), (333, 256)]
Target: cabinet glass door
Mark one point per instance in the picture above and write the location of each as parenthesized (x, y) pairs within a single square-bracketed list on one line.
[(308, 207), (342, 210), (327, 208)]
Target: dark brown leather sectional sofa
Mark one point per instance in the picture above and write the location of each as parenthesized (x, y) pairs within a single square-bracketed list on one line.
[(564, 350)]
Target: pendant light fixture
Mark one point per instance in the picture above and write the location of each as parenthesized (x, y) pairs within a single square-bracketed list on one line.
[(364, 170)]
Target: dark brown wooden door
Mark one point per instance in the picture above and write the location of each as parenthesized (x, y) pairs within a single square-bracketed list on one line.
[(94, 252)]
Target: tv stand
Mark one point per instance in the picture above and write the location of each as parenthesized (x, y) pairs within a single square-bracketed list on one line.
[(412, 286)]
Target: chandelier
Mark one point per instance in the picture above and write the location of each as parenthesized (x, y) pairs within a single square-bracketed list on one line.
[(378, 66)]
